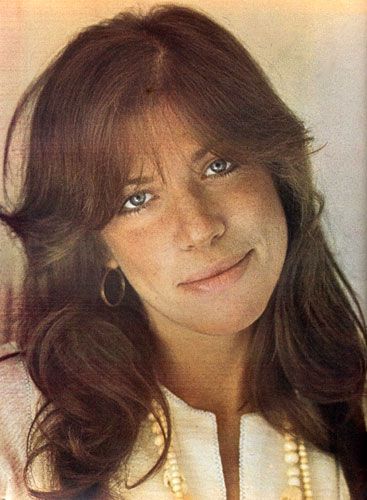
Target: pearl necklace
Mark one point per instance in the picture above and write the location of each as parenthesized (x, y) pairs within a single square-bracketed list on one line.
[(295, 456)]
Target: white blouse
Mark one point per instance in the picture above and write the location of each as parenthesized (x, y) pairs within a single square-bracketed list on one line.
[(262, 470)]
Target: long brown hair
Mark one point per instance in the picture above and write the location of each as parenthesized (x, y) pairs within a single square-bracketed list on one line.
[(83, 119)]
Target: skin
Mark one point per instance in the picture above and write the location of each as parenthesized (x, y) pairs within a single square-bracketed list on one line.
[(193, 218)]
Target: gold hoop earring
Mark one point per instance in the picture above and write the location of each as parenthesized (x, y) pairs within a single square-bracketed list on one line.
[(113, 287)]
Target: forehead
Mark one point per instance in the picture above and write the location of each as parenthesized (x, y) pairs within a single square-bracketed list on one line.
[(159, 138)]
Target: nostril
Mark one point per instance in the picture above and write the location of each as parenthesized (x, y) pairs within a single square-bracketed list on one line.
[(199, 228)]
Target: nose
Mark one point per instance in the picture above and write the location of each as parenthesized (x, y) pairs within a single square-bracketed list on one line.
[(198, 221)]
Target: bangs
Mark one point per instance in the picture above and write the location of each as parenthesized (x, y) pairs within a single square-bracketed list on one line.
[(141, 138)]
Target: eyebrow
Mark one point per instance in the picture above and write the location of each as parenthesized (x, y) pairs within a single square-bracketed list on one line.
[(140, 181)]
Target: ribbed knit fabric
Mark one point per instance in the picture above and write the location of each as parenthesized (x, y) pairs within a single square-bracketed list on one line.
[(262, 468)]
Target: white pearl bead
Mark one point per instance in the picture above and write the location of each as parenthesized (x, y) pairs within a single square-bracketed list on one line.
[(291, 457), (308, 494), (158, 440), (294, 481), (302, 453), (304, 466), (293, 471), (155, 428), (306, 479), (151, 417), (175, 480), (290, 446)]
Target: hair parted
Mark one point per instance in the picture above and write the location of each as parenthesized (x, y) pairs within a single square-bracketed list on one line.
[(85, 119)]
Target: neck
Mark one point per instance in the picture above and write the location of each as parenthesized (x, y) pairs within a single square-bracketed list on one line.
[(206, 371)]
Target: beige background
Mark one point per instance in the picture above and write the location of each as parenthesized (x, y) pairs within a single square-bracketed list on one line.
[(314, 51)]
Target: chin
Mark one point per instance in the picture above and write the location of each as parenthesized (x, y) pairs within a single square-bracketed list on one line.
[(228, 324)]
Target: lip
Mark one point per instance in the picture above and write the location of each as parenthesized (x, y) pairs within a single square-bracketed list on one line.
[(218, 277)]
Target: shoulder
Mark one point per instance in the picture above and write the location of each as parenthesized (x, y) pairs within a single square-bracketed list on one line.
[(18, 396), (16, 385)]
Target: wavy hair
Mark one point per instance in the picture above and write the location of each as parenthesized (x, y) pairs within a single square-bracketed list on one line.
[(81, 124)]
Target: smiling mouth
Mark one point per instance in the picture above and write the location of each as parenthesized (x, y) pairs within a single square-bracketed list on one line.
[(214, 270), (219, 279)]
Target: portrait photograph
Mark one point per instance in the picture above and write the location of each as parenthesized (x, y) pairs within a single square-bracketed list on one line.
[(183, 250)]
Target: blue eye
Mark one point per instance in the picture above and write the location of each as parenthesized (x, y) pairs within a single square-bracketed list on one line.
[(221, 167), (136, 201)]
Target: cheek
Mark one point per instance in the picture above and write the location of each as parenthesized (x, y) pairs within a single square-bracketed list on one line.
[(258, 208), (275, 242), (275, 231), (258, 216), (140, 252)]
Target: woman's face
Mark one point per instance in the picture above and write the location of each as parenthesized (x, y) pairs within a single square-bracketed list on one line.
[(197, 216)]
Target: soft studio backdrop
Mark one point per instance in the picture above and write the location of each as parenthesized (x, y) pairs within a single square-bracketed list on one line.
[(315, 53)]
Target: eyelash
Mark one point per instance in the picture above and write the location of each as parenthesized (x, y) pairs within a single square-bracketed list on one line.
[(138, 209)]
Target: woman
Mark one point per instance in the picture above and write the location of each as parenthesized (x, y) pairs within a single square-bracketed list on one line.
[(185, 331)]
